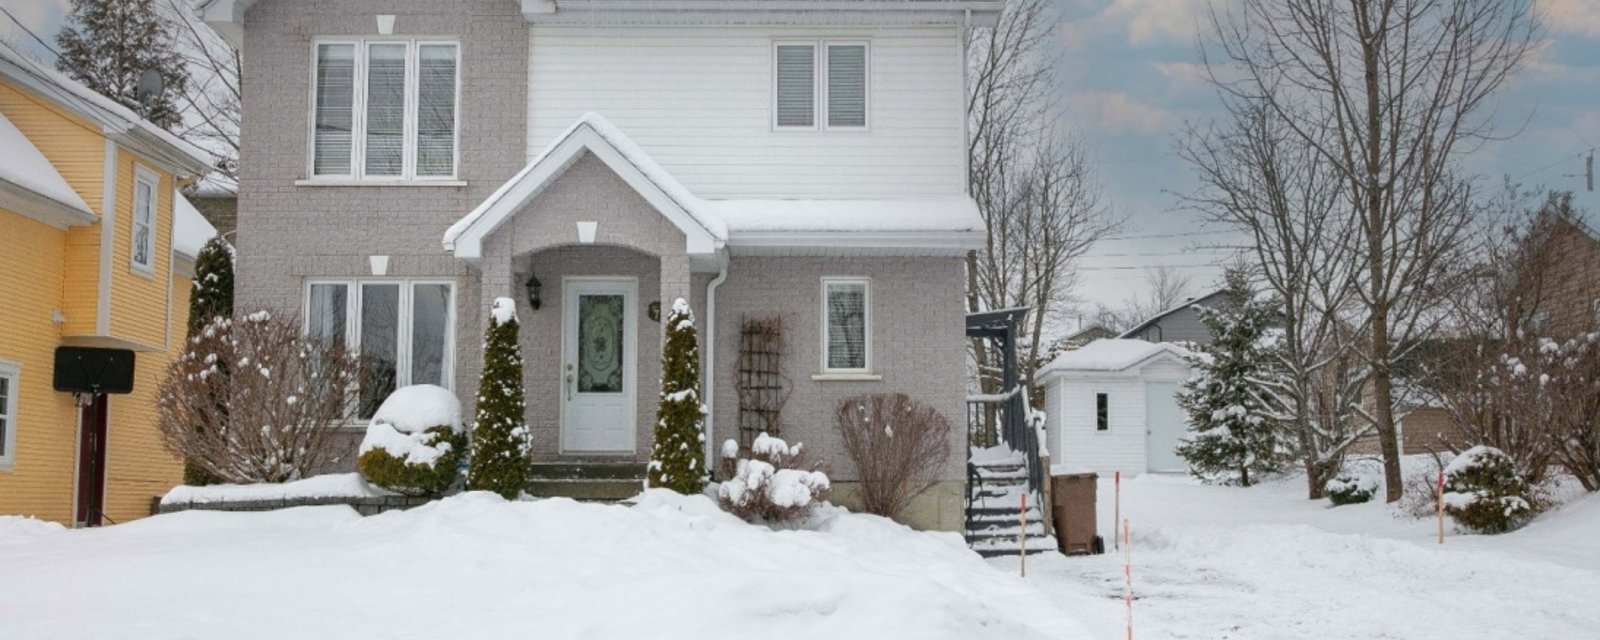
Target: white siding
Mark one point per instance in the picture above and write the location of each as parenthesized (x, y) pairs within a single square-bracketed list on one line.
[(699, 101), (1122, 447)]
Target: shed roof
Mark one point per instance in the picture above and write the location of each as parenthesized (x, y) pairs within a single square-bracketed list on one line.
[(1112, 356)]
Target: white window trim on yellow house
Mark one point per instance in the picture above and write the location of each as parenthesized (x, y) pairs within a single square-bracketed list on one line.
[(150, 181), (11, 374)]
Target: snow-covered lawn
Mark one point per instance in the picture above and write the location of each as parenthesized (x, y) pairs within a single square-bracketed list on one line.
[(1220, 562), (475, 566)]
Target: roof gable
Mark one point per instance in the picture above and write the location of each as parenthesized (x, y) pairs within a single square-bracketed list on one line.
[(1153, 320), (1113, 356)]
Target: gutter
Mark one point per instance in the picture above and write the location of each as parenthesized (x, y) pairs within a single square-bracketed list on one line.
[(709, 386)]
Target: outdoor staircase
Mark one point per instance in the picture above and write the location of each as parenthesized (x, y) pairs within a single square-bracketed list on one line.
[(993, 517), (587, 481)]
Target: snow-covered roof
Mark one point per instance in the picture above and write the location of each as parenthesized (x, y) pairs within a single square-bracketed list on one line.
[(190, 230), (23, 166), (121, 123), (950, 222), (1111, 355)]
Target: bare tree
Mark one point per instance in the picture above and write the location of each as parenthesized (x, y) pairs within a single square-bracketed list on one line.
[(1389, 94), (1041, 209), (210, 102)]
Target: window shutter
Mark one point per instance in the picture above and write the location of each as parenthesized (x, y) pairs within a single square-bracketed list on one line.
[(796, 85), (436, 110), (847, 326), (334, 110), (847, 85), (386, 109)]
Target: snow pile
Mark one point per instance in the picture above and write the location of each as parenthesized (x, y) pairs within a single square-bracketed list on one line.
[(477, 566), (26, 167), (400, 425), (763, 489), (503, 310), (339, 485)]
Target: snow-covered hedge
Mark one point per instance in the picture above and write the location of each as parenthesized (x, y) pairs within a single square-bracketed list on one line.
[(1483, 492), (1352, 487), (415, 442), (764, 489)]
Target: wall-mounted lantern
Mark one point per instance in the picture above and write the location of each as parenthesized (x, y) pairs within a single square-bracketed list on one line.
[(655, 311), (534, 289)]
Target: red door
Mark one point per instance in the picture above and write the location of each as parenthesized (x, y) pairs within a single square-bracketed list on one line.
[(92, 462)]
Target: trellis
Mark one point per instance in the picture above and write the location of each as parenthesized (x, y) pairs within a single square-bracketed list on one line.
[(762, 387)]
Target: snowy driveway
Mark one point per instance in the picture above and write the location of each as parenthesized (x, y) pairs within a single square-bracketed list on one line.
[(1217, 562)]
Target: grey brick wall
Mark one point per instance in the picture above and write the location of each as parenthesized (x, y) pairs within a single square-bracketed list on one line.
[(290, 233)]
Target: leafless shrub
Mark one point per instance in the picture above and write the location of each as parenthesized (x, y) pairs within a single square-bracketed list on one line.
[(252, 400), (769, 486), (897, 445)]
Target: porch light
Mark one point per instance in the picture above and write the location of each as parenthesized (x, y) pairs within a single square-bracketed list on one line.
[(534, 287)]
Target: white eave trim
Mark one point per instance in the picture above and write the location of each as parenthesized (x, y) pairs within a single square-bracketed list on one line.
[(31, 204), (894, 242), (978, 13)]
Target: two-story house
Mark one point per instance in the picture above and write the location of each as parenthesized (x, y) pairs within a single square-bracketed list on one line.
[(406, 162), (96, 253)]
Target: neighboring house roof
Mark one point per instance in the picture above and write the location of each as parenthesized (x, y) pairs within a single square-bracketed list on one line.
[(1111, 356), (1092, 332), (31, 186), (946, 224), (1157, 318), (119, 123), (190, 230)]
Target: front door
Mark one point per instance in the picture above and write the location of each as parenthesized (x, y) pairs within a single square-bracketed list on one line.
[(599, 365), (92, 462)]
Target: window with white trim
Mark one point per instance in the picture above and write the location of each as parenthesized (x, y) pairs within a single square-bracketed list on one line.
[(9, 375), (142, 236), (826, 76), (403, 329), (385, 109), (846, 323)]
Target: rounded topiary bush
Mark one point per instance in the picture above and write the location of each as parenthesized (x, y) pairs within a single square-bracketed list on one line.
[(1484, 492), (415, 443), (1352, 487)]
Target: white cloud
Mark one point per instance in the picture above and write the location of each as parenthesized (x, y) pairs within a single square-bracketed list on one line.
[(1113, 113), (1580, 17), (1141, 22)]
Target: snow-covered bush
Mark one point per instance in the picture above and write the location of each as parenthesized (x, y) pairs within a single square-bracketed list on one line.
[(1483, 492), (898, 447), (500, 444), (1352, 487), (211, 298), (678, 460), (415, 442), (254, 400), (765, 487)]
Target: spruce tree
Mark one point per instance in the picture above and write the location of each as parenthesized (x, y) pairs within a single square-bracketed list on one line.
[(1232, 435), (213, 284), (108, 44), (212, 297), (678, 460), (499, 433)]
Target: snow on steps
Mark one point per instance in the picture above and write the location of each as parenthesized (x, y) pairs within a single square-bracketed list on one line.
[(598, 482), (993, 518)]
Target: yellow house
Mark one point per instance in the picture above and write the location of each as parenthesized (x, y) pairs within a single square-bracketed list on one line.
[(95, 267)]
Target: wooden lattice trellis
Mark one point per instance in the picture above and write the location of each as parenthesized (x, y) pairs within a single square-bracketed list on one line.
[(763, 389)]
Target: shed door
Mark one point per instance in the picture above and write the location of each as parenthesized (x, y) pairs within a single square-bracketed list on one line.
[(1165, 425)]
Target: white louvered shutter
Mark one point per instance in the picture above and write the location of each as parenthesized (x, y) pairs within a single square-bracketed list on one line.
[(436, 110), (796, 85), (847, 85), (386, 109), (334, 110)]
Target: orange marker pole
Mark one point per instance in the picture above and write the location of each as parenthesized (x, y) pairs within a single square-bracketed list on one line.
[(1116, 516), (1127, 575)]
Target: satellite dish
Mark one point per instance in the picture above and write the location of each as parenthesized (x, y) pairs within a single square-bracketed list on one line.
[(151, 85)]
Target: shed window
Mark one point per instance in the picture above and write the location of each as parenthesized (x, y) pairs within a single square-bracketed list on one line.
[(1102, 412)]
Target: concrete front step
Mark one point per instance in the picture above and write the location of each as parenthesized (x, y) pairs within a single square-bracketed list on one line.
[(997, 547), (587, 471), (584, 489)]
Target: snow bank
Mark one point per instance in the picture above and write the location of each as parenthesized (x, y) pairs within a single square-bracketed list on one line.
[(669, 567), (400, 425), (338, 485)]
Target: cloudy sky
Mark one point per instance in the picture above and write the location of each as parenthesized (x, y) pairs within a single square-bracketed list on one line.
[(1131, 81)]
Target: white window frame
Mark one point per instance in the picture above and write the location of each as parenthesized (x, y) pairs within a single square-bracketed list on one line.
[(12, 373), (146, 177), (352, 328), (358, 115), (819, 80), (866, 325)]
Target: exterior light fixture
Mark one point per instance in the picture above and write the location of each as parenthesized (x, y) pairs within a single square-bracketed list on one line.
[(534, 288)]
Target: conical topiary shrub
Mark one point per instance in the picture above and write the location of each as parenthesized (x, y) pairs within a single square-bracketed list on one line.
[(499, 432), (211, 298), (678, 460)]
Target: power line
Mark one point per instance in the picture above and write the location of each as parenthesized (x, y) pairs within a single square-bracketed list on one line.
[(1549, 166), (25, 29), (1167, 235)]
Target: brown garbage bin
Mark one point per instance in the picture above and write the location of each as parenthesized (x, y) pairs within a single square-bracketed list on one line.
[(1072, 498)]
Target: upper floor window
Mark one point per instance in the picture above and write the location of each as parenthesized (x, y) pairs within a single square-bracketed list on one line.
[(142, 236), (384, 109), (9, 373), (845, 317), (827, 76)]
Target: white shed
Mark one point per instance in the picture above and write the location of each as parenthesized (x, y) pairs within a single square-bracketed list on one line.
[(1112, 406)]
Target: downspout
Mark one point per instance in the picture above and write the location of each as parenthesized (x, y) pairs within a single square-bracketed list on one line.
[(709, 386)]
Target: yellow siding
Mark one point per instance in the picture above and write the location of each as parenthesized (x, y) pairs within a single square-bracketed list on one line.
[(138, 300), (77, 150), (40, 483), (138, 466)]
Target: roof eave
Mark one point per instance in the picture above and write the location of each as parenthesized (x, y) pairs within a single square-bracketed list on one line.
[(977, 13)]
